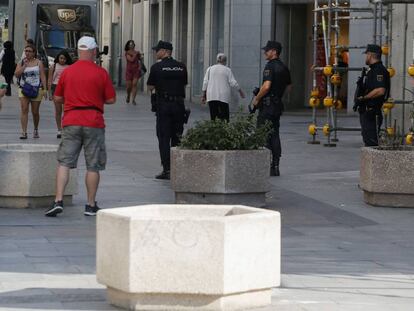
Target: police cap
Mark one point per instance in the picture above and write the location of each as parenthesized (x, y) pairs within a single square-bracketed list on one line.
[(373, 48), (273, 45), (163, 45)]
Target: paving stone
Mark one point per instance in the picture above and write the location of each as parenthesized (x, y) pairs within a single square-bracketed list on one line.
[(337, 253)]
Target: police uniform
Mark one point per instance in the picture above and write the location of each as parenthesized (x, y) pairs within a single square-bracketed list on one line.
[(169, 78), (271, 105), (370, 115)]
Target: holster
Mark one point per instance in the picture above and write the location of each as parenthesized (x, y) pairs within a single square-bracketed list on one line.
[(154, 102)]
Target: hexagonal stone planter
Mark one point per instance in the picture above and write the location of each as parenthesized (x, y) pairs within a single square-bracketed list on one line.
[(387, 176), (28, 176), (220, 177), (188, 257)]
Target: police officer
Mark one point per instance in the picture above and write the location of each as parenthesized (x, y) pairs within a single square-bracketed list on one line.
[(376, 90), (276, 78), (168, 78)]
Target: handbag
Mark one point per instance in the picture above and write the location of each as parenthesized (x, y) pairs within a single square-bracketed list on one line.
[(29, 90), (143, 68)]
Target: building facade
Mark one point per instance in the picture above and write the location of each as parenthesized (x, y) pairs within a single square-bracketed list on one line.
[(198, 30)]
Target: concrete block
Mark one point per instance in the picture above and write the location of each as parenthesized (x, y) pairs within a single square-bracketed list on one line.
[(387, 177), (214, 174), (188, 257), (29, 176)]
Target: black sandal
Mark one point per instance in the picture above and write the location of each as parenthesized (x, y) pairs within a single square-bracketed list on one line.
[(24, 136)]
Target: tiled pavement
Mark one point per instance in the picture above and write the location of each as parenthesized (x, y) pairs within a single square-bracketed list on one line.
[(337, 252)]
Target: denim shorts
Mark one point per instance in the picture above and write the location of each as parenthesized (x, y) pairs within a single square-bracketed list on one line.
[(93, 142)]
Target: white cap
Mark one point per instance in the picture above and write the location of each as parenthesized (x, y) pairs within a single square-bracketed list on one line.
[(86, 43)]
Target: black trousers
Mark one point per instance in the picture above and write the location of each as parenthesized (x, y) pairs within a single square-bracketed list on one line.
[(9, 81), (273, 142), (219, 110), (371, 122), (170, 127)]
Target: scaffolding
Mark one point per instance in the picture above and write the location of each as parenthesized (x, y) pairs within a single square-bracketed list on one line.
[(326, 17)]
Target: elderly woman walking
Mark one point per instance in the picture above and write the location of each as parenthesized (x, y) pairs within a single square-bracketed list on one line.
[(217, 85)]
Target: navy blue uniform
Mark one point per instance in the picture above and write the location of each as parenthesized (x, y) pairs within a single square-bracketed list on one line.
[(371, 117), (271, 106), (169, 78)]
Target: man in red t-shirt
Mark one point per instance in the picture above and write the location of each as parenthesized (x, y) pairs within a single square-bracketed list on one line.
[(84, 88)]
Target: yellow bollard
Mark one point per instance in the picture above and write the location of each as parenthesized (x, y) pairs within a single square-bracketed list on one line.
[(328, 101), (312, 129), (336, 79), (410, 70), (409, 138), (326, 130), (391, 71), (314, 102), (328, 70)]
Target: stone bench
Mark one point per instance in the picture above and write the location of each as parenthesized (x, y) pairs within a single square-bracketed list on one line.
[(188, 257), (28, 176)]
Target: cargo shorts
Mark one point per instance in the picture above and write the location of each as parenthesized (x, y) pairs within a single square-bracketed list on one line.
[(93, 142)]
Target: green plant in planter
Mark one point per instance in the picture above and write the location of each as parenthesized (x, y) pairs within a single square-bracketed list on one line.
[(241, 133)]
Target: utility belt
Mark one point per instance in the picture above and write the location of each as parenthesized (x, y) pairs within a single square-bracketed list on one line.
[(169, 98), (155, 104), (87, 108), (271, 105)]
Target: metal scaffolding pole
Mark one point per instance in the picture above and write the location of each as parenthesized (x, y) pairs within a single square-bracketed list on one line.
[(334, 114), (314, 82), (330, 15), (375, 25)]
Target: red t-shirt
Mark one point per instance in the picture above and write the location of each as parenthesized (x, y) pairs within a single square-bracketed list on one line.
[(84, 84)]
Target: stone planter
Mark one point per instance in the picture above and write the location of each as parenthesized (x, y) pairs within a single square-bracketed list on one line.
[(387, 177), (220, 177), (28, 176), (188, 257)]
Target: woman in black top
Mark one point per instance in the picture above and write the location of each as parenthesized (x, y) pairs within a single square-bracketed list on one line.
[(8, 66)]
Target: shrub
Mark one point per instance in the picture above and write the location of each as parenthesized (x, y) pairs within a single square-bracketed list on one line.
[(240, 133)]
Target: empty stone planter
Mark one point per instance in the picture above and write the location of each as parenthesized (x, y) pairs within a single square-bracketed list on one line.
[(220, 177), (28, 176), (387, 177), (188, 257)]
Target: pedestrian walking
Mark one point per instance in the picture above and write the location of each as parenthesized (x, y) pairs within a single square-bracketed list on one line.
[(375, 90), (276, 79), (32, 87), (84, 88), (168, 78), (61, 62), (8, 66), (217, 85), (133, 70)]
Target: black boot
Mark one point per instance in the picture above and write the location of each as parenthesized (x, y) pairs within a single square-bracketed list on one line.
[(274, 171), (274, 168), (165, 174)]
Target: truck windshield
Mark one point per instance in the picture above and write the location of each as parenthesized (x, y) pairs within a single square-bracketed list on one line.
[(63, 39), (58, 39)]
